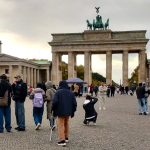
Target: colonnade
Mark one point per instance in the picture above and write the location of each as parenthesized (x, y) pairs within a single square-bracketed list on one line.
[(57, 73), (29, 75)]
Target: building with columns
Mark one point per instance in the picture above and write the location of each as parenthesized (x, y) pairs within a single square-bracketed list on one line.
[(98, 42), (30, 71)]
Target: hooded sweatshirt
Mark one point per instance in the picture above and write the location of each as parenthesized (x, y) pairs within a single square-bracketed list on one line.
[(64, 102)]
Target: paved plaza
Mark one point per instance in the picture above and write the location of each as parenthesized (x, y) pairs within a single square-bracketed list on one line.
[(119, 127)]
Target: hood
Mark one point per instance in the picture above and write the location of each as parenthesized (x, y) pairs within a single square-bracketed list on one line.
[(48, 84), (63, 85), (38, 90)]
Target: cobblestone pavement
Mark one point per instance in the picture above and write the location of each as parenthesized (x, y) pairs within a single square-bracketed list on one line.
[(119, 127)]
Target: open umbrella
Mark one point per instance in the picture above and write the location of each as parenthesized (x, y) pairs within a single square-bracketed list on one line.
[(75, 80)]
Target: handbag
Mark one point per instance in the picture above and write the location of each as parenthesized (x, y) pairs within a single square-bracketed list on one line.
[(4, 99)]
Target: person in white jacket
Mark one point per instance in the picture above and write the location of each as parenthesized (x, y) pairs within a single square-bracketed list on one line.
[(102, 96)]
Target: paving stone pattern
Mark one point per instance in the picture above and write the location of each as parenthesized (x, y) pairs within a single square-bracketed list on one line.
[(119, 127)]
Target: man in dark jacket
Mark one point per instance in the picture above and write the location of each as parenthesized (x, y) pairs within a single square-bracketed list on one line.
[(19, 89), (140, 93), (64, 105), (5, 111)]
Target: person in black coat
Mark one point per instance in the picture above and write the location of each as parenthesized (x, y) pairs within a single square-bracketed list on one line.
[(19, 89), (90, 112), (63, 106)]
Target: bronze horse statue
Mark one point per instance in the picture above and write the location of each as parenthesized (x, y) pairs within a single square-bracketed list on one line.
[(107, 24), (98, 24), (89, 25)]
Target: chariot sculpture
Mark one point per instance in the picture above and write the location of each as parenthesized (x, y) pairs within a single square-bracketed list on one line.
[(98, 22)]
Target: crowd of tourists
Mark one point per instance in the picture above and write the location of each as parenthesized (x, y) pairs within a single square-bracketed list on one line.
[(60, 103)]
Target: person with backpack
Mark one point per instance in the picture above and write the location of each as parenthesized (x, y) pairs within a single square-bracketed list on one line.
[(49, 96), (19, 91), (5, 102), (37, 97), (64, 106)]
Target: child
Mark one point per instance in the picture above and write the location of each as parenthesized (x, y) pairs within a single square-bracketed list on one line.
[(90, 112), (38, 96)]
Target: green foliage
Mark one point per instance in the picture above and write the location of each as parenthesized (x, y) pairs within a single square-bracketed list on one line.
[(134, 77), (80, 72), (97, 79), (64, 68)]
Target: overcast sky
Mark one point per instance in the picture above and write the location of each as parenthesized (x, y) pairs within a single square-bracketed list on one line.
[(26, 26)]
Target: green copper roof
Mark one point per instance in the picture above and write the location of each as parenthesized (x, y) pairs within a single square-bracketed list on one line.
[(41, 62)]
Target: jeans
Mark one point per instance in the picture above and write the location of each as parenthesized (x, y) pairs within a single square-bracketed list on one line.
[(146, 103), (142, 105), (20, 114), (5, 113), (38, 114), (63, 127)]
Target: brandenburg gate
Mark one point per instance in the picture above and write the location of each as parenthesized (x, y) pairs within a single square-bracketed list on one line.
[(101, 41), (98, 42)]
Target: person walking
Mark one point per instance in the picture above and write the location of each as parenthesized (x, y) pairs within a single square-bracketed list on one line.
[(5, 109), (140, 93), (19, 91), (146, 95), (64, 106), (49, 97), (37, 96)]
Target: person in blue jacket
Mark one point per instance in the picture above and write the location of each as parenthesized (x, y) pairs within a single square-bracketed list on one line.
[(63, 106)]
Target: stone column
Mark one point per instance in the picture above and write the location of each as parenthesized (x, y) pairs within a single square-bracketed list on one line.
[(71, 65), (142, 66), (24, 74), (108, 67), (87, 68), (125, 68), (32, 77), (38, 76), (55, 68), (28, 76), (20, 71), (47, 70), (35, 79), (10, 74)]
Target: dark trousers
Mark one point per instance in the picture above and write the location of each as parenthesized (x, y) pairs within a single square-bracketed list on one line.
[(38, 114)]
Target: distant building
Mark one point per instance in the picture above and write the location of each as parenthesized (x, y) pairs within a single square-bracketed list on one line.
[(32, 71)]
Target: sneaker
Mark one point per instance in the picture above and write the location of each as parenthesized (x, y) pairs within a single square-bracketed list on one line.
[(66, 140), (16, 128), (38, 126), (53, 127), (9, 130), (104, 108), (145, 113), (62, 143), (21, 129), (94, 123)]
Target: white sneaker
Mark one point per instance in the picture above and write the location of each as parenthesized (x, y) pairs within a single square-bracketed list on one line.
[(104, 108), (38, 126)]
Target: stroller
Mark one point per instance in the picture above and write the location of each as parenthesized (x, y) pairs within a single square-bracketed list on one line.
[(90, 112)]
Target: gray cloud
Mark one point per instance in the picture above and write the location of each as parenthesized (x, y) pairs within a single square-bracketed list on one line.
[(34, 20)]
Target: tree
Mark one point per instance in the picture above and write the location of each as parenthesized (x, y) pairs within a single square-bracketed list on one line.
[(134, 77)]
